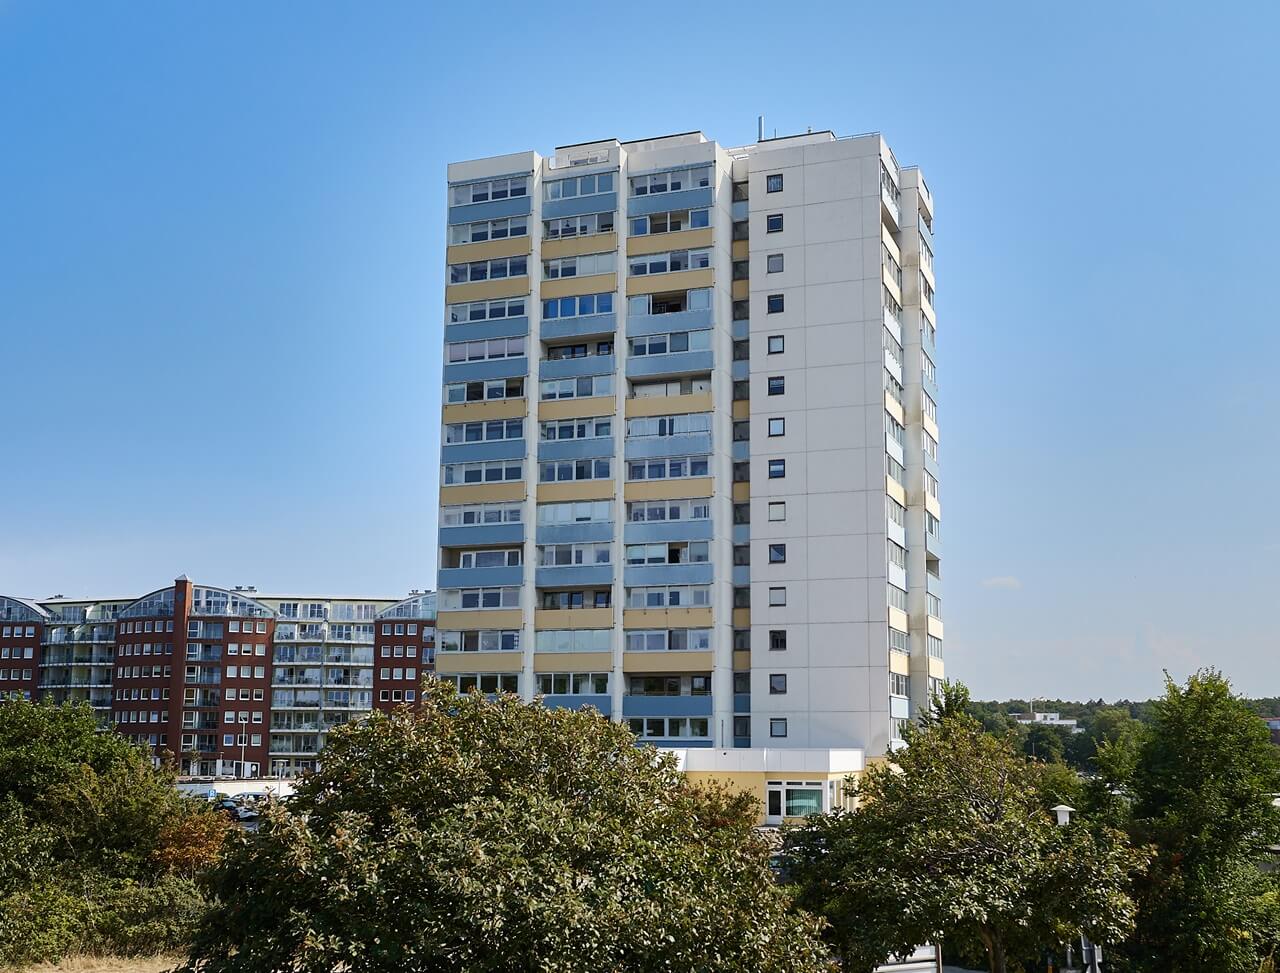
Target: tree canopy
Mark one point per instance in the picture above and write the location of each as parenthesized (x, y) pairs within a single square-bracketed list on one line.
[(953, 840), (475, 834)]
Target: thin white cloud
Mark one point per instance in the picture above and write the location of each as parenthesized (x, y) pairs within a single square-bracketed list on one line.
[(1006, 581)]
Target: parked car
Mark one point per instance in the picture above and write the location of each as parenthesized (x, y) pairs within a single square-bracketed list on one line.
[(235, 810)]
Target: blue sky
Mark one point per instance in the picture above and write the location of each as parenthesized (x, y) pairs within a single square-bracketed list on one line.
[(221, 255)]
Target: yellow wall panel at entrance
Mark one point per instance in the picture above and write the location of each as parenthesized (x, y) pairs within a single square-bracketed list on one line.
[(755, 782), (666, 618), (493, 409), (742, 661), (570, 286), (573, 618), (668, 405), (686, 489), (572, 662), (580, 490), (482, 492), (633, 662), (479, 662), (741, 492), (489, 250), (486, 290), (677, 281), (741, 249), (663, 242), (935, 627), (741, 290), (742, 618), (595, 405), (576, 246), (895, 490), (466, 621)]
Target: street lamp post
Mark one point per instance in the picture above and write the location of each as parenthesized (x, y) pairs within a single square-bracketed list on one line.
[(244, 738)]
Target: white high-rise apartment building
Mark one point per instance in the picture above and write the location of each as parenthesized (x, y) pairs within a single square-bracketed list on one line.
[(689, 472)]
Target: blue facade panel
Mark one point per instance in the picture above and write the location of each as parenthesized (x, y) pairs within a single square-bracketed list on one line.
[(580, 206), (933, 584), (933, 544), (580, 327), (930, 387), (741, 209), (651, 447), (742, 743), (931, 466), (740, 370), (742, 574), (602, 704), (742, 702), (478, 371), (574, 533), (741, 533), (635, 706), (481, 577), (637, 575), (577, 367), (741, 330), (494, 209), (664, 532), (573, 575), (740, 450), (700, 319), (494, 328), (556, 449), (665, 202), (479, 452), (482, 535), (677, 363)]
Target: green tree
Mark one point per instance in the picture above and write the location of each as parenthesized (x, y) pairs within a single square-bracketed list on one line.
[(952, 840), (1200, 784), (484, 835)]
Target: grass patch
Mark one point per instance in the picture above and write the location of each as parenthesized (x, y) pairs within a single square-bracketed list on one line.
[(107, 964)]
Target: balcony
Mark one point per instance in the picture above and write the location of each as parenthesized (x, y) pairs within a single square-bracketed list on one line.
[(583, 326), (573, 575), (602, 704), (479, 371), (595, 447), (644, 706), (670, 365), (482, 535), (640, 575), (557, 368), (500, 577), (697, 319), (204, 679)]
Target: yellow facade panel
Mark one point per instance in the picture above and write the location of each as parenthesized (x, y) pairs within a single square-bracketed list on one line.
[(576, 246), (741, 290), (742, 618), (668, 405), (486, 290), (447, 662), (572, 662), (936, 669), (742, 661), (579, 490), (891, 285), (900, 663), (467, 621), (678, 281), (663, 242), (686, 489), (935, 627), (463, 253), (596, 405), (741, 249), (932, 505), (741, 492), (930, 426), (894, 408), (572, 286), (887, 239), (479, 411), (898, 619), (482, 492), (742, 409), (574, 618), (666, 618), (895, 490), (636, 662)]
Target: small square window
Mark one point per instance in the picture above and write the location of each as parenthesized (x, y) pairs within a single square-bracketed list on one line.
[(777, 427), (777, 553), (776, 303), (777, 728), (773, 223), (778, 510), (777, 469), (773, 263), (742, 726), (777, 344), (778, 684), (777, 384), (773, 183), (777, 597)]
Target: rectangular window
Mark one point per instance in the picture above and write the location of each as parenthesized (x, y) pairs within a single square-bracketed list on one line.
[(777, 510), (573, 187), (777, 469), (664, 263), (776, 303), (495, 471), (576, 226), (774, 263), (778, 684), (663, 344), (777, 385), (777, 553), (652, 184), (581, 266), (482, 391), (777, 344), (668, 468), (570, 470), (487, 189), (577, 388), (583, 305), (777, 427), (777, 597), (496, 269), (773, 223), (773, 182), (777, 728)]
